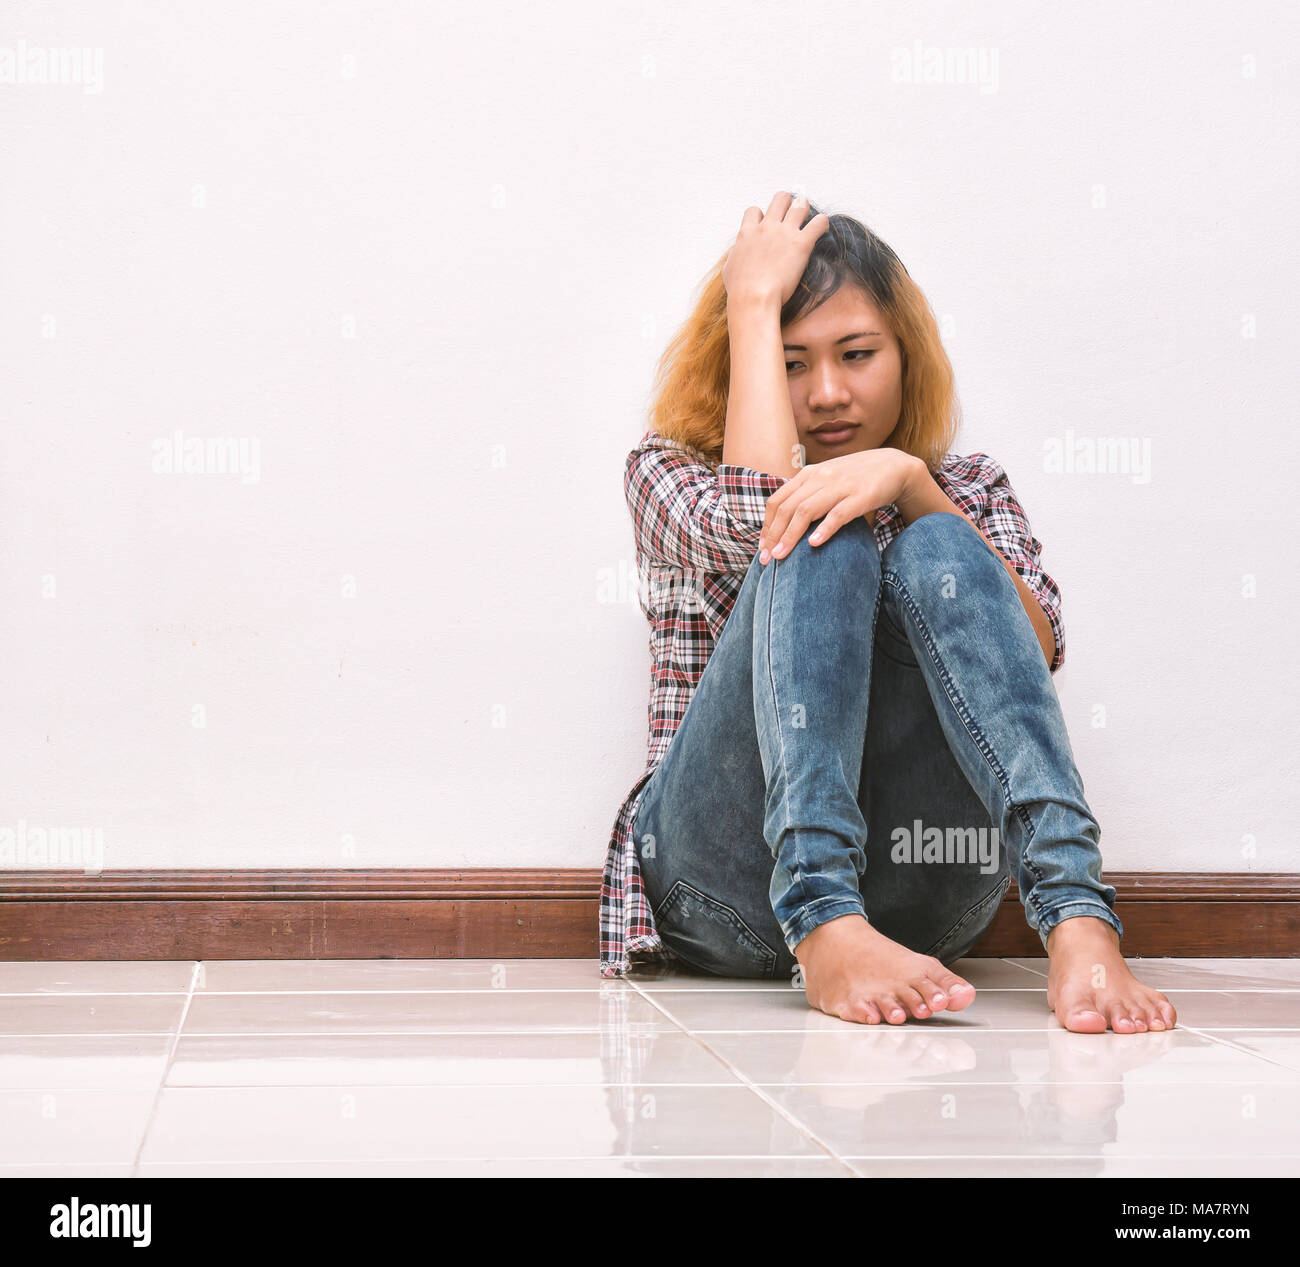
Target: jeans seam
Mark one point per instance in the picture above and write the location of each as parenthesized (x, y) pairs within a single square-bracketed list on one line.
[(757, 944), (890, 577), (969, 912), (780, 734)]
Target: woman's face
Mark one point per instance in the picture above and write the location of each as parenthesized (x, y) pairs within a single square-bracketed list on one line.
[(843, 366)]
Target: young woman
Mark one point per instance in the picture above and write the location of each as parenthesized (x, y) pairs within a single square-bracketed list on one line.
[(854, 736)]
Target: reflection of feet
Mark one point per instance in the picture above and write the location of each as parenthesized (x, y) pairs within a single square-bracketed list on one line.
[(853, 972), (1090, 987), (1085, 1078)]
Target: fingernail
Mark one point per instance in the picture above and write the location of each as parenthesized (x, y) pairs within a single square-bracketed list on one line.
[(779, 551), (763, 556)]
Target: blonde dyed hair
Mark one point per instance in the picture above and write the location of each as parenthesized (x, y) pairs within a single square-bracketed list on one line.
[(693, 376)]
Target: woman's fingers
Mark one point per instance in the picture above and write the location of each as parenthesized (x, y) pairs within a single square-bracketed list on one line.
[(795, 210), (780, 204), (785, 532), (829, 525), (817, 225)]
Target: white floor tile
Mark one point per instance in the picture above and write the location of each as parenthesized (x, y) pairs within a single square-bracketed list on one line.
[(537, 1058), (440, 1068), (1253, 1120), (1078, 1167), (981, 973), (710, 1012), (1224, 1009), (1202, 974), (96, 977), (123, 1063), (916, 1054), (1282, 1046), (66, 1170), (61, 1125), (338, 975), (379, 1123), (543, 1168), (90, 1013), (420, 1013)]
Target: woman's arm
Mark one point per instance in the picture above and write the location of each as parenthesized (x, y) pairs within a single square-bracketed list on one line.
[(685, 515), (760, 273), (760, 431)]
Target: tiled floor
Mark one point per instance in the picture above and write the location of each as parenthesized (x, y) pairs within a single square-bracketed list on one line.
[(538, 1067)]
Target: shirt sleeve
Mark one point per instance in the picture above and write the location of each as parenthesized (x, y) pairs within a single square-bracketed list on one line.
[(687, 515), (1006, 525)]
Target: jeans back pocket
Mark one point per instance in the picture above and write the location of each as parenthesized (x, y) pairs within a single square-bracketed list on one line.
[(710, 936)]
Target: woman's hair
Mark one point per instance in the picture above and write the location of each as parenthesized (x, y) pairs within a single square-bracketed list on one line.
[(694, 374)]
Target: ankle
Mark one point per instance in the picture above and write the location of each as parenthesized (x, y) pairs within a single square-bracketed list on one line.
[(834, 930), (1079, 930)]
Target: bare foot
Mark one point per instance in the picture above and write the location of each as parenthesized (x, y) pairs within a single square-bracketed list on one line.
[(1090, 987), (853, 972)]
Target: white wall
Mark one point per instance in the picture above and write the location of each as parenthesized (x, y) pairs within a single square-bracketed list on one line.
[(508, 207)]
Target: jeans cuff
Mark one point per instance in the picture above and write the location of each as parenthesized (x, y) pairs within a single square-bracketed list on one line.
[(817, 913), (1070, 909)]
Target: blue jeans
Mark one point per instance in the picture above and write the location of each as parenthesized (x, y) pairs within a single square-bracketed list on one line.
[(874, 733)]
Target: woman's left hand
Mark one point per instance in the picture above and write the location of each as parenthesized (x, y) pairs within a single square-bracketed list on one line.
[(835, 491)]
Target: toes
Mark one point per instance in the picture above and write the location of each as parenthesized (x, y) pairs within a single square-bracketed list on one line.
[(960, 993), (1084, 1020), (863, 1011), (1120, 1021), (932, 993), (891, 1009), (914, 1001)]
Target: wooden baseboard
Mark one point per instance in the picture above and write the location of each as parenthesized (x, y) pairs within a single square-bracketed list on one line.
[(521, 914)]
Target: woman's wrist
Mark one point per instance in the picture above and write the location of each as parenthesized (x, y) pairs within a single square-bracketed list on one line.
[(749, 304), (918, 494)]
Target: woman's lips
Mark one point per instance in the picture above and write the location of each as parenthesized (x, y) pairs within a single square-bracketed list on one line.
[(834, 435)]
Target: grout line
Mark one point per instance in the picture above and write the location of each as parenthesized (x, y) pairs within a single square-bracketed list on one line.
[(1022, 967), (768, 1100), (473, 1160), (1267, 1161), (1025, 1083), (760, 992), (167, 1065), (1111, 1157), (126, 994), (913, 1026), (1212, 1036)]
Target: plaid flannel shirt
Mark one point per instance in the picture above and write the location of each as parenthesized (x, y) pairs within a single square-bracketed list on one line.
[(696, 526)]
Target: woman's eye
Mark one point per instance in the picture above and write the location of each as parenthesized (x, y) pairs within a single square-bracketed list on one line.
[(852, 352)]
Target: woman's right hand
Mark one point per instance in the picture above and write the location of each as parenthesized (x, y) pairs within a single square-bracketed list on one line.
[(771, 251)]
